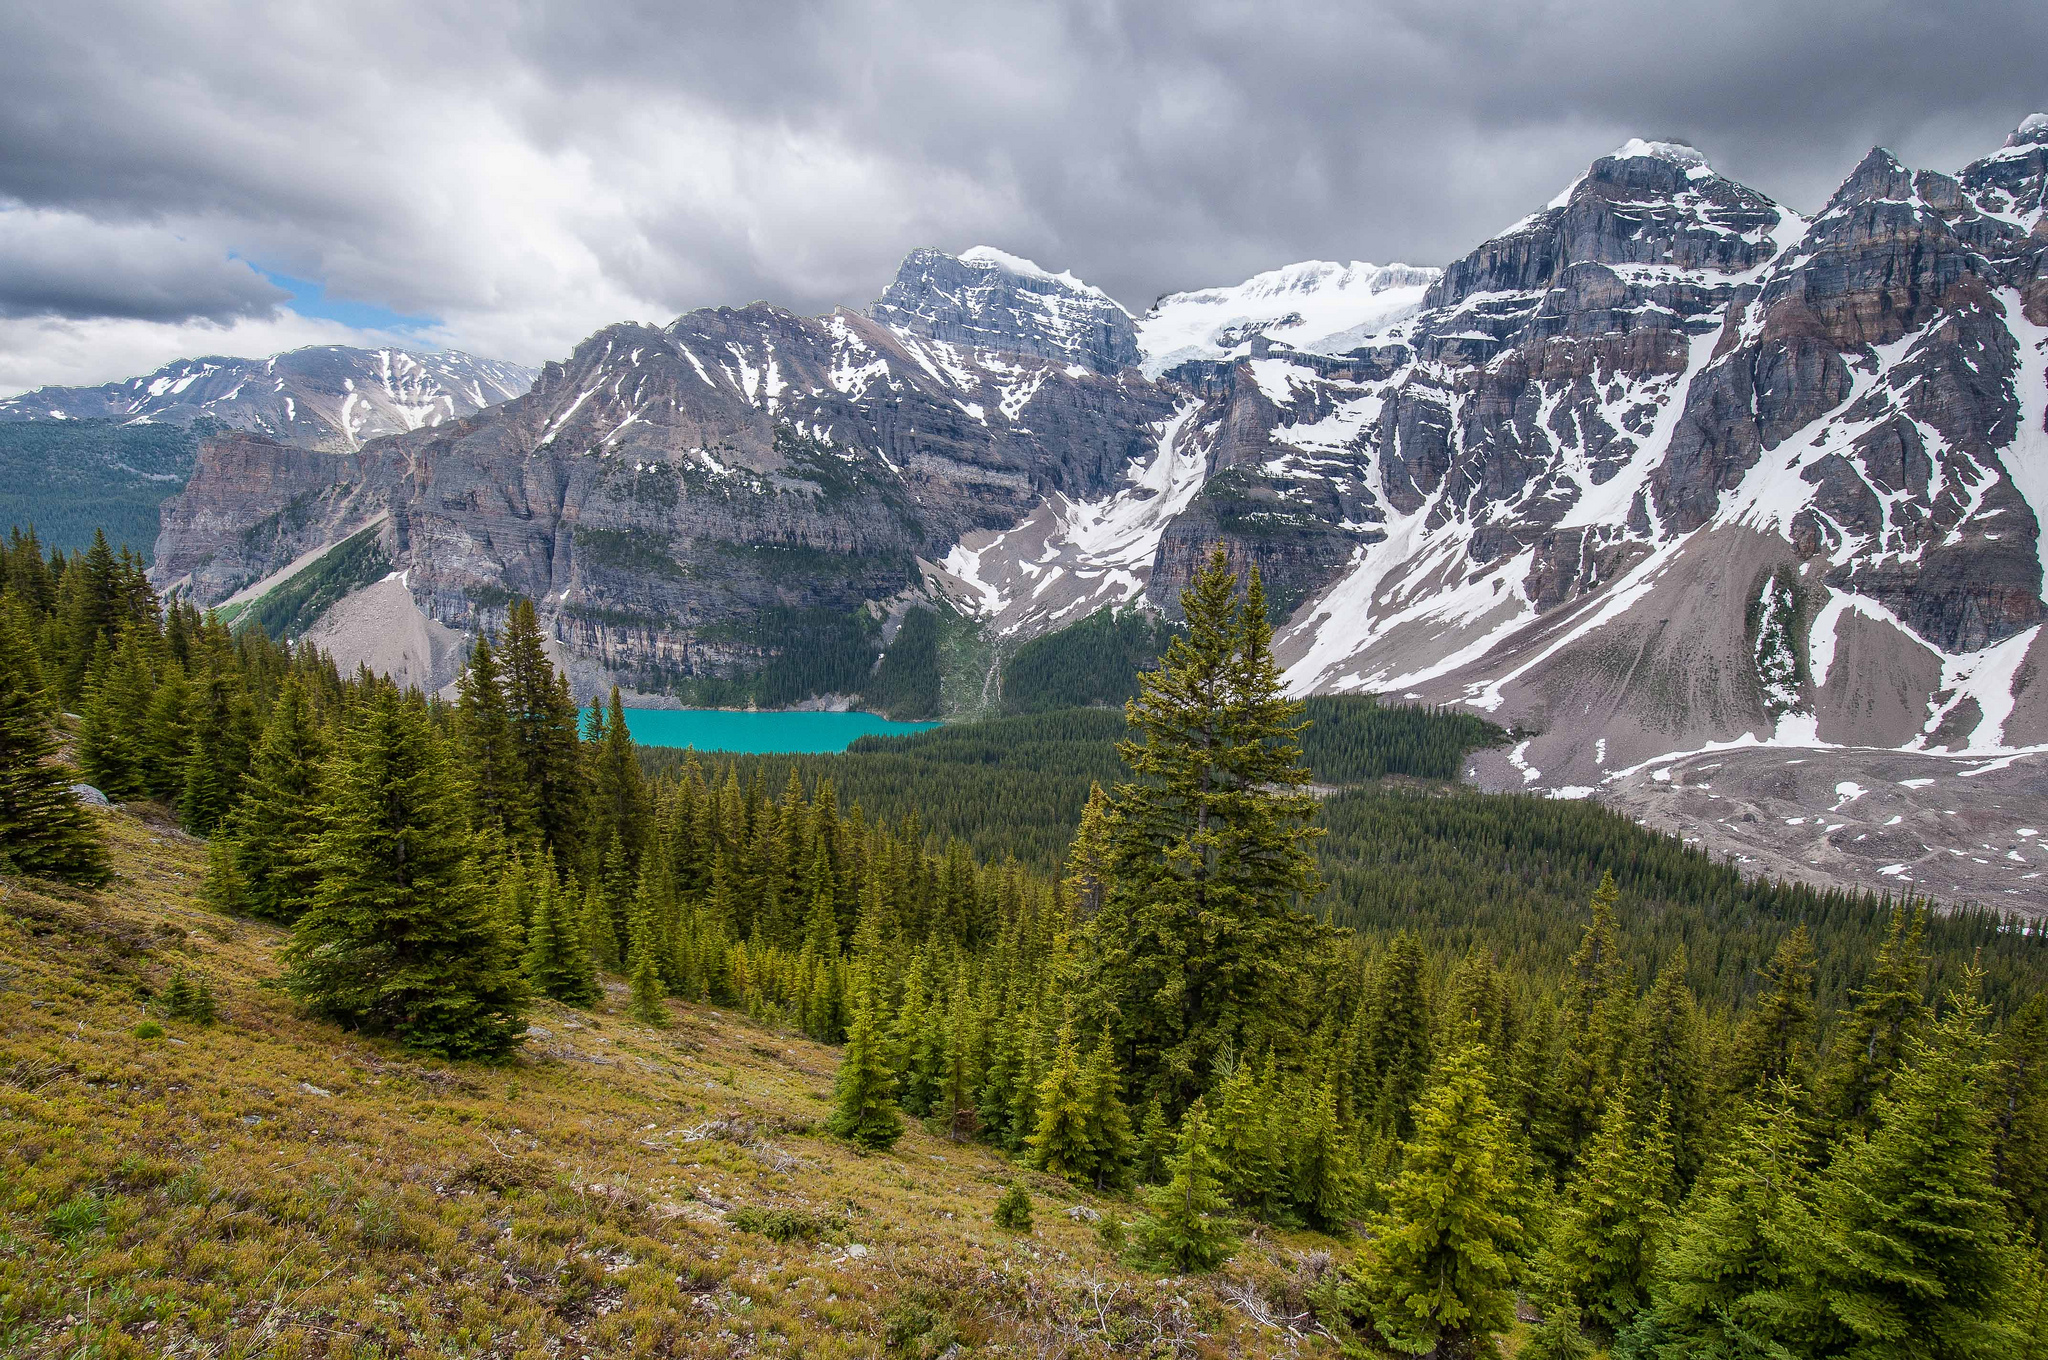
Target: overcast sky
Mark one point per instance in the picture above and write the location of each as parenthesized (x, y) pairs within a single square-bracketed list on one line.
[(205, 176)]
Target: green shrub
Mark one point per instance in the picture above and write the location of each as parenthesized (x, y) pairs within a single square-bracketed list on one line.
[(148, 1029), (1013, 1210)]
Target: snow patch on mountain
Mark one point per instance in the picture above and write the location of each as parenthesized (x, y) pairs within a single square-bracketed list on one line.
[(1317, 305)]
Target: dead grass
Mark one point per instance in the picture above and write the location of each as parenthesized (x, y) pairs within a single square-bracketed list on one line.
[(271, 1186)]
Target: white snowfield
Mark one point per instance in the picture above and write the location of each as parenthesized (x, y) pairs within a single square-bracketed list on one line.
[(1317, 306)]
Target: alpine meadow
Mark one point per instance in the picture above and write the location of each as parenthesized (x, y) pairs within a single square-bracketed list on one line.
[(1485, 805)]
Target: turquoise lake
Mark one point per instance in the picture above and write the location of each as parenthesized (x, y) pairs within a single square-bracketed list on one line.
[(772, 733)]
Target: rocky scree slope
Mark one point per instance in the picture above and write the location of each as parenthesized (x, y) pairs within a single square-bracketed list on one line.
[(328, 397)]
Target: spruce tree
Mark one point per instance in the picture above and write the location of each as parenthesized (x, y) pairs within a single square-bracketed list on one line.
[(558, 962), (1060, 1143), (499, 792), (1885, 1015), (1156, 1143), (864, 1095), (1597, 991), (1671, 1065), (1397, 1035), (1243, 1136), (274, 827), (1776, 1037), (1108, 1123), (600, 940), (1439, 1277), (1910, 1254), (399, 939), (1716, 1294), (1185, 1229), (544, 733), (44, 832), (2019, 1104), (1327, 1185), (647, 1002), (1200, 941), (1603, 1246), (221, 725)]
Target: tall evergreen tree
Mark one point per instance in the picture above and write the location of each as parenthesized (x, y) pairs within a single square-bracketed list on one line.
[(558, 962), (2019, 1105), (1439, 1276), (399, 939), (273, 830), (1108, 1123), (43, 830), (1717, 1291), (545, 734), (1603, 1246), (1200, 941), (864, 1097), (499, 791), (1776, 1037), (1910, 1254), (1870, 1043), (1060, 1143), (1184, 1227)]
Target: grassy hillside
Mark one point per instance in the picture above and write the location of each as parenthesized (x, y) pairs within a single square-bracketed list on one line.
[(269, 1185)]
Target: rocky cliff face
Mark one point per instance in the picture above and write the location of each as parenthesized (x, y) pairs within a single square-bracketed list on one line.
[(326, 397), (688, 501)]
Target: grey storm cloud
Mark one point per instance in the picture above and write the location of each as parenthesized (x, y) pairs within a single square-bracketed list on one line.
[(525, 172), (61, 264)]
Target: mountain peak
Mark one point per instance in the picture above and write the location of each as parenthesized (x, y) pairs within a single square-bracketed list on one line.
[(1678, 153), (989, 299), (991, 258)]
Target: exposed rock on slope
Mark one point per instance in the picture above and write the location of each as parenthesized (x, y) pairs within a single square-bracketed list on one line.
[(325, 397)]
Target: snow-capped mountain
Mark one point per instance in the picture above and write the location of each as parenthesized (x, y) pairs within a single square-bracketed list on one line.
[(324, 397), (1315, 306), (1666, 476)]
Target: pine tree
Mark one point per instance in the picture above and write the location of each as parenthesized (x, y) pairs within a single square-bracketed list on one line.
[(1671, 1065), (544, 733), (648, 1002), (1397, 1035), (1107, 1122), (1718, 1279), (274, 827), (186, 999), (44, 832), (1603, 1247), (599, 938), (1156, 1142), (1870, 1042), (1328, 1184), (1439, 1276), (499, 793), (1596, 993), (1910, 1254), (221, 723), (1243, 1136), (2020, 1116), (1088, 862), (1013, 1210), (558, 961), (398, 939), (1060, 1143), (864, 1098), (1776, 1038), (1200, 942), (1184, 1229)]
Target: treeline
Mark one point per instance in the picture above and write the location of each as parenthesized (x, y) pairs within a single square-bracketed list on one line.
[(1092, 663), (1016, 785), (1467, 870)]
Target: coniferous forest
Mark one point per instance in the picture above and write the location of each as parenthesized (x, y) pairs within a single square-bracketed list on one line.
[(1514, 1057)]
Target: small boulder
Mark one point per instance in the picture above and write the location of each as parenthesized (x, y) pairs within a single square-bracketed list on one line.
[(90, 796)]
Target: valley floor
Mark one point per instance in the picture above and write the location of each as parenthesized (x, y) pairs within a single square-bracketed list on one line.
[(1959, 828), (269, 1185)]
